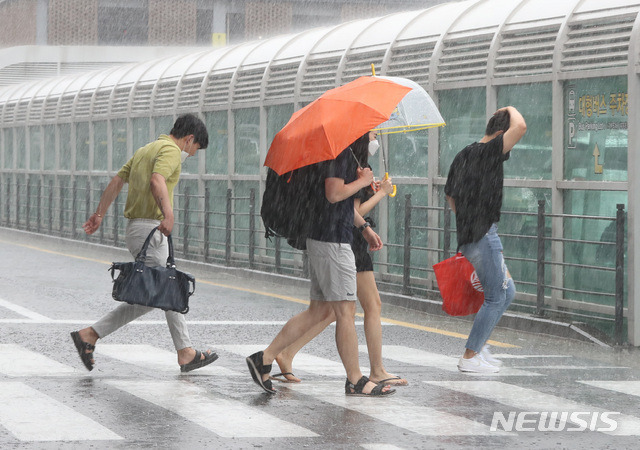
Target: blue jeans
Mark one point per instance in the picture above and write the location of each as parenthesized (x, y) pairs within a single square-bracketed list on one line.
[(499, 289)]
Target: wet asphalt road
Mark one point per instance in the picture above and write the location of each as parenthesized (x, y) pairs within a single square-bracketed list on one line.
[(136, 396)]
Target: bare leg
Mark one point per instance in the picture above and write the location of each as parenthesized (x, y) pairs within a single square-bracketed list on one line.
[(285, 357), (370, 301), (295, 328), (347, 342)]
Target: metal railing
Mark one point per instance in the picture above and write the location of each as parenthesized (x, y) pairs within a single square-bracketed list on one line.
[(227, 229)]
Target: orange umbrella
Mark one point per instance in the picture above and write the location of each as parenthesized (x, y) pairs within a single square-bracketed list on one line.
[(325, 127)]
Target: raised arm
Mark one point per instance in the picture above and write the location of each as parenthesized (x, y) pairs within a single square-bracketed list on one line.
[(336, 190), (517, 129)]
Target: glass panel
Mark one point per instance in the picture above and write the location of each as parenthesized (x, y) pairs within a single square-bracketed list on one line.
[(240, 224), (100, 146), (532, 156), (407, 154), (21, 150), (82, 146), (598, 253), (596, 114), (189, 221), (464, 112), (141, 134), (518, 230), (49, 147), (247, 141), (396, 231), (65, 146), (119, 138), (8, 148), (35, 147), (217, 209), (216, 155), (277, 117), (163, 125)]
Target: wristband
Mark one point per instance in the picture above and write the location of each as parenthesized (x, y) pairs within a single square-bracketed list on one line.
[(363, 226), (98, 215)]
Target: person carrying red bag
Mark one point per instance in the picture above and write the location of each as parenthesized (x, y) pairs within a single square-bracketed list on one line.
[(474, 192)]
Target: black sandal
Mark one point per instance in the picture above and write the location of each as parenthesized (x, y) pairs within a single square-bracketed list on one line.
[(355, 390), (257, 369), (198, 361), (82, 347)]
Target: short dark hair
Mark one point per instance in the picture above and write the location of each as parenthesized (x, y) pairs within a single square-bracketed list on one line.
[(499, 122), (190, 124)]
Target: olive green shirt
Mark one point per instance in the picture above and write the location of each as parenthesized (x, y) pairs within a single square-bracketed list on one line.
[(161, 156)]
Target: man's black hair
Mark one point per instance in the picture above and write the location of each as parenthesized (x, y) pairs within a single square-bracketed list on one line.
[(190, 124), (498, 122)]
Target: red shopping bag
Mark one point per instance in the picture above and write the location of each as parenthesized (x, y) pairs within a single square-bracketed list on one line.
[(461, 291)]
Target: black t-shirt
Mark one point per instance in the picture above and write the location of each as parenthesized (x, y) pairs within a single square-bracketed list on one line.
[(475, 182), (335, 220)]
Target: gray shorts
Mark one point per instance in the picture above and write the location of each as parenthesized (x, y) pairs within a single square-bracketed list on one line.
[(332, 269)]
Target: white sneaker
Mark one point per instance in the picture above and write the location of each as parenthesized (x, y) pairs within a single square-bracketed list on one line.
[(476, 365), (488, 357)]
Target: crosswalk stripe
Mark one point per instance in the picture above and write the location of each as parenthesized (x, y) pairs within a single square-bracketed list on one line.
[(24, 311), (18, 361), (303, 362), (625, 387), (225, 417), (532, 400), (31, 415), (396, 411), (417, 357), (155, 359)]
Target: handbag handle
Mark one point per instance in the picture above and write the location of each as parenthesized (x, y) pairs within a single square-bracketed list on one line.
[(142, 255)]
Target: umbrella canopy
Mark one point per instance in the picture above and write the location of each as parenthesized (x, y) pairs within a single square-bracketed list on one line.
[(325, 127), (416, 111)]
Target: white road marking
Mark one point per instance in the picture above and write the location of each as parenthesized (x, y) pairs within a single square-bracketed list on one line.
[(303, 362), (227, 418), (531, 400), (156, 359), (624, 387), (18, 361), (417, 357), (396, 411), (31, 415), (32, 316)]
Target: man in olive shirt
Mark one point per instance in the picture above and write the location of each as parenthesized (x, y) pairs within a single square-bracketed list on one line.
[(152, 174)]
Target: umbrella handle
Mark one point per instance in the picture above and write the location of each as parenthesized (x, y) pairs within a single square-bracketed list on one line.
[(395, 188)]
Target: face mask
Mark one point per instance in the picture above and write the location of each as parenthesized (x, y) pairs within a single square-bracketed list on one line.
[(373, 147), (183, 156)]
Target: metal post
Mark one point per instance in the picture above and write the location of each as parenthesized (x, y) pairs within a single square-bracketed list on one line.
[(406, 272), (50, 207), (185, 228), (540, 259), (207, 195), (619, 309), (61, 212), (116, 221), (39, 205), (278, 243), (446, 244), (102, 188), (252, 228), (8, 197), (227, 250), (305, 264), (27, 205), (74, 207), (87, 204)]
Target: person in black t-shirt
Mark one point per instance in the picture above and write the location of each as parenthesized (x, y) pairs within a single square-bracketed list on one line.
[(474, 192), (367, 290)]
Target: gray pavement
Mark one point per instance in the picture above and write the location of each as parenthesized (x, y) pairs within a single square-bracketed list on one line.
[(551, 393)]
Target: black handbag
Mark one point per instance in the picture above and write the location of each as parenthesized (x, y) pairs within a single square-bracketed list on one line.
[(166, 288)]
